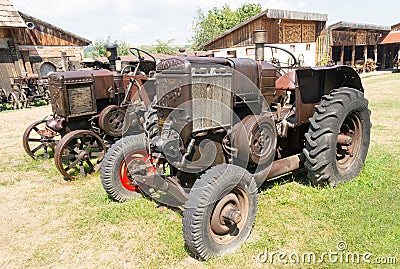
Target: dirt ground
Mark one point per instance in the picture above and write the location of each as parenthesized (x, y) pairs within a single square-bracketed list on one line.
[(31, 193)]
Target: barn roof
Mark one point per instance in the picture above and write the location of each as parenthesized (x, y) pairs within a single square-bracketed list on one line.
[(28, 18), (9, 16), (391, 38), (276, 14), (345, 25)]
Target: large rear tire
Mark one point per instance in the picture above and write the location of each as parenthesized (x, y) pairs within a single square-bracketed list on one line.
[(220, 211), (338, 138)]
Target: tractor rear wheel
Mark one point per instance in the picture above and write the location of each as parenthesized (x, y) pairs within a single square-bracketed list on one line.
[(338, 138), (220, 211)]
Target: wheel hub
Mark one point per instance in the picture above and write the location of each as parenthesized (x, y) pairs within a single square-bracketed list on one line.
[(348, 141), (83, 155)]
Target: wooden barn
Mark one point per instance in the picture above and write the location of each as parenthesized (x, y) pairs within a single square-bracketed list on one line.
[(390, 46), (29, 45), (351, 43), (302, 33)]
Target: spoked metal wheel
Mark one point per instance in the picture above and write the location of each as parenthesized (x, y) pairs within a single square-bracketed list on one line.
[(79, 152), (39, 142), (13, 101), (23, 100)]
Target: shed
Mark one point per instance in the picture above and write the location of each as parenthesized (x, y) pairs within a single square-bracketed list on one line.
[(300, 32), (390, 46), (30, 45), (351, 42)]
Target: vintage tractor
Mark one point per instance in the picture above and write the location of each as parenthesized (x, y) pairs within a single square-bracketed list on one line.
[(89, 107), (31, 88), (9, 100), (227, 125)]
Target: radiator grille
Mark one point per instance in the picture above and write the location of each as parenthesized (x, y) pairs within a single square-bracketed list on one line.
[(80, 99), (212, 101)]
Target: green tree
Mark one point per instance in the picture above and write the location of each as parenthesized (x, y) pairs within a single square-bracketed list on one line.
[(161, 46), (207, 26), (164, 47), (97, 49)]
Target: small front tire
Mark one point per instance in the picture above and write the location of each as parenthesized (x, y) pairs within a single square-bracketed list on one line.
[(220, 211), (114, 172)]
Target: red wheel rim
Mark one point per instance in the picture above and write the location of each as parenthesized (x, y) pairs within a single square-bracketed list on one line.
[(136, 155)]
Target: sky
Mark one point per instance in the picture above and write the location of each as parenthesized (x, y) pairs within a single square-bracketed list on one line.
[(143, 22)]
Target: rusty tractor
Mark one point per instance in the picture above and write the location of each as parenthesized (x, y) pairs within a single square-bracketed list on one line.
[(10, 99), (31, 88), (89, 107), (225, 125)]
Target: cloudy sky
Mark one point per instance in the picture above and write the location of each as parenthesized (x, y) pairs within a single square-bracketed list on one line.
[(140, 22)]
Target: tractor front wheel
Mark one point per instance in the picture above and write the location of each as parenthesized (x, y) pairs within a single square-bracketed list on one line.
[(124, 155), (220, 211)]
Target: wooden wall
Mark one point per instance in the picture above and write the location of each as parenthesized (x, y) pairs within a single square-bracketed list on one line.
[(45, 36), (283, 31), (396, 27), (350, 38)]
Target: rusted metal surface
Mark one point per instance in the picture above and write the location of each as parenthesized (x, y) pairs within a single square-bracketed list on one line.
[(287, 82), (111, 120), (39, 141), (81, 150), (74, 94), (344, 140), (231, 210), (285, 165), (349, 141)]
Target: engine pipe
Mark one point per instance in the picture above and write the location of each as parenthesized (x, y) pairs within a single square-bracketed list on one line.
[(112, 55), (280, 167), (260, 37)]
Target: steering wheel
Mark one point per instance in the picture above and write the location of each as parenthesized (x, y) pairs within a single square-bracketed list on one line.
[(292, 62), (138, 54)]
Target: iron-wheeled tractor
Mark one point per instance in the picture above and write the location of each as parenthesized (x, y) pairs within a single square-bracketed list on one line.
[(225, 125), (3, 98), (89, 107), (10, 99), (31, 88)]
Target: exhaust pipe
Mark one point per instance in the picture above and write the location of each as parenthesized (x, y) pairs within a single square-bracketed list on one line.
[(260, 37), (280, 167), (112, 55)]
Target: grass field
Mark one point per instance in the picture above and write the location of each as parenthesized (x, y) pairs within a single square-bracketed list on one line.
[(48, 222)]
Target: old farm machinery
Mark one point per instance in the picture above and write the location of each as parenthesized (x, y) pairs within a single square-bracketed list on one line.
[(10, 99), (31, 88), (225, 126), (89, 107)]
